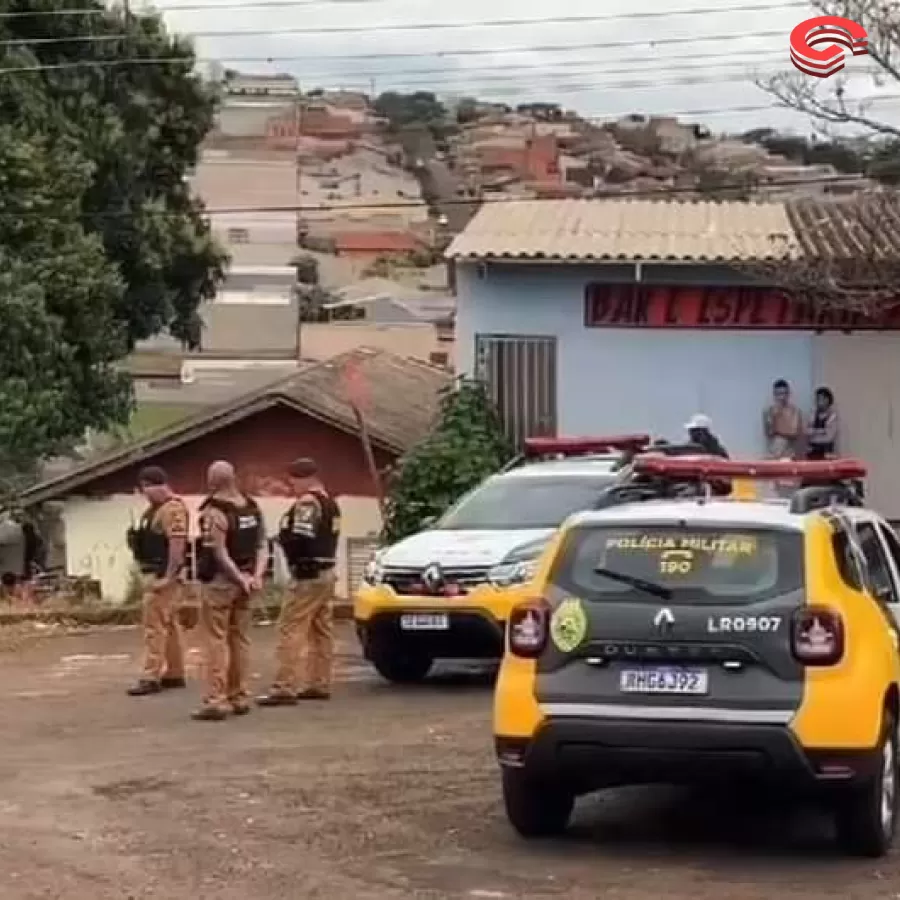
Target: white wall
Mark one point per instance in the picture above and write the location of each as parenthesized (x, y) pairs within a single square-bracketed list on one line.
[(95, 534)]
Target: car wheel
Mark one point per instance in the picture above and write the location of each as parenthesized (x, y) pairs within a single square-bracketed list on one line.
[(867, 819), (535, 809), (401, 667)]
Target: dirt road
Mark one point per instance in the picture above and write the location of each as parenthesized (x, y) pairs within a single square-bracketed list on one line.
[(381, 794)]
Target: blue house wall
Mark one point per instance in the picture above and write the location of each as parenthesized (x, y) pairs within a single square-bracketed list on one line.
[(632, 379)]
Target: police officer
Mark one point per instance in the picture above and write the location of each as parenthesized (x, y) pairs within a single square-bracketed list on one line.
[(308, 536), (231, 562), (159, 544)]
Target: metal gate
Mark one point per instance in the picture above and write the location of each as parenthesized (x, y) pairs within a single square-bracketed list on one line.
[(359, 551), (520, 375)]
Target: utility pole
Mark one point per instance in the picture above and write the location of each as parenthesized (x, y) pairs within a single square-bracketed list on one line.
[(298, 215)]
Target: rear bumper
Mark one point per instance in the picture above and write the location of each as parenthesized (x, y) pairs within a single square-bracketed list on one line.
[(589, 754), (472, 634)]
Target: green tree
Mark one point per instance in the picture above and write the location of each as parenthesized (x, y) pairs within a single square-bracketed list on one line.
[(465, 447), (101, 240), (401, 110), (307, 268), (140, 128), (58, 296)]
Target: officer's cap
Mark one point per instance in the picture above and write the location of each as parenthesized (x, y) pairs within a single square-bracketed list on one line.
[(303, 468), (152, 476)]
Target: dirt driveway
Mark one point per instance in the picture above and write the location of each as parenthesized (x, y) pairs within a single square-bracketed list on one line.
[(382, 793)]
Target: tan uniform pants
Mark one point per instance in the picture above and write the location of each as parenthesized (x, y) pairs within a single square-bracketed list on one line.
[(226, 619), (305, 627), (163, 648)]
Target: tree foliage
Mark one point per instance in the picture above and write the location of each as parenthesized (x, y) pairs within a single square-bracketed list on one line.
[(465, 447), (101, 242), (417, 108), (878, 159)]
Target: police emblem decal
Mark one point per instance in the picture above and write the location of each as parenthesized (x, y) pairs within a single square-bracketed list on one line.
[(568, 625)]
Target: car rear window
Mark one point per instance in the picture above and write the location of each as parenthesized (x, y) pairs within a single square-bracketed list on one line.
[(693, 565)]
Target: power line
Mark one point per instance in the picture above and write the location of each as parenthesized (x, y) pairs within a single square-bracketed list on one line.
[(610, 194), (547, 79), (187, 7), (736, 58), (477, 51), (289, 4), (552, 81), (457, 78), (444, 26)]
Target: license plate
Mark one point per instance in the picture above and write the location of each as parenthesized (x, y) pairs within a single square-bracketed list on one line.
[(425, 622), (664, 681)]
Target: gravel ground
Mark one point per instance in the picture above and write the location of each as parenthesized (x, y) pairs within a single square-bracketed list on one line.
[(380, 794)]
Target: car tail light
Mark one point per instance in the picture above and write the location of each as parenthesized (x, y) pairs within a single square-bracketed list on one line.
[(528, 629), (817, 636)]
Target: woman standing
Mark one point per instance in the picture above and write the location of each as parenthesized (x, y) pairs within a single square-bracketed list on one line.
[(822, 433)]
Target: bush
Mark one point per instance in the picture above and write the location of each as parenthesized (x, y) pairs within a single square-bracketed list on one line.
[(465, 447)]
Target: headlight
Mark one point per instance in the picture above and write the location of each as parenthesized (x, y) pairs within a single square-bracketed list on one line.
[(373, 574), (513, 572)]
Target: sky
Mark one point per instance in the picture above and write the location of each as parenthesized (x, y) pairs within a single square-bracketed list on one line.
[(697, 59)]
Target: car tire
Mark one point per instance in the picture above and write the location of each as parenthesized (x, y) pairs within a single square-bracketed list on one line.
[(401, 667), (867, 819), (534, 809)]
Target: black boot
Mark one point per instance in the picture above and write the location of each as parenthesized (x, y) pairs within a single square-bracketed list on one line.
[(277, 698), (314, 694), (209, 714), (144, 688), (169, 684)]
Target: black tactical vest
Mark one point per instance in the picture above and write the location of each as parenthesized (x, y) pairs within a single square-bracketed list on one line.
[(307, 557), (245, 525), (149, 544)]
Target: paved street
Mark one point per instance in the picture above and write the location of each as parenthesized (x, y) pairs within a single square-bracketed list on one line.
[(383, 793)]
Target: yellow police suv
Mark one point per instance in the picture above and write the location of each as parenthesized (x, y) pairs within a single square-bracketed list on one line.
[(677, 637), (446, 592)]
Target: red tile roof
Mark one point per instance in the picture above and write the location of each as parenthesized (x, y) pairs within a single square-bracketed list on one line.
[(376, 242)]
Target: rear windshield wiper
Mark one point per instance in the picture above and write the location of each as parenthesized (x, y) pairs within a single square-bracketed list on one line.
[(648, 587)]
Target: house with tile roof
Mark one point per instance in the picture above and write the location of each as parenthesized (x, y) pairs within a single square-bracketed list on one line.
[(616, 315), (305, 414)]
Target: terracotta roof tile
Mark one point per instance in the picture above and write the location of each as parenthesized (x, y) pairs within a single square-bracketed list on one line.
[(850, 228), (402, 401), (627, 230)]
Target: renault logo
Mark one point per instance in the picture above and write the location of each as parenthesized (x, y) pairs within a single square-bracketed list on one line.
[(664, 620), (433, 578)]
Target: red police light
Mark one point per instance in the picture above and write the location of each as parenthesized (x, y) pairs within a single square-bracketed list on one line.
[(578, 446), (701, 468)]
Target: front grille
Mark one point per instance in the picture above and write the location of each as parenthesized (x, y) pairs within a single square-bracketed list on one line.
[(408, 582), (645, 651)]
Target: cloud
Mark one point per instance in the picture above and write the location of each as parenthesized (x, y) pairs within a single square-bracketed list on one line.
[(699, 67)]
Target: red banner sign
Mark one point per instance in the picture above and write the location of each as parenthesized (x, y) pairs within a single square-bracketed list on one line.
[(647, 306)]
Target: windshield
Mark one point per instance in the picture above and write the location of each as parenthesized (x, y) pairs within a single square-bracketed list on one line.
[(695, 565), (532, 502)]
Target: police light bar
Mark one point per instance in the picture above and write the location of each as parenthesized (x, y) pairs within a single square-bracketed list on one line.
[(712, 467), (579, 446)]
